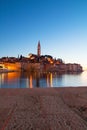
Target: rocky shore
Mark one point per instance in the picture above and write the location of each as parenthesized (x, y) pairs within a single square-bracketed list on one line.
[(43, 109)]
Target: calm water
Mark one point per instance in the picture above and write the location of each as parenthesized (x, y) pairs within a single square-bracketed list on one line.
[(25, 80)]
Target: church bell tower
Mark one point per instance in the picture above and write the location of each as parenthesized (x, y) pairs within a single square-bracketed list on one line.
[(38, 49)]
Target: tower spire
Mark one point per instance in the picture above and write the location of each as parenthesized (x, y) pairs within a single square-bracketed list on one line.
[(38, 49)]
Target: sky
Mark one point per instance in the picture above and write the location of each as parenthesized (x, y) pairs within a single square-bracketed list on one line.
[(60, 25)]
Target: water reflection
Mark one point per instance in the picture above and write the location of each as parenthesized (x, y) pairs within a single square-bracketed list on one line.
[(31, 80), (49, 80), (1, 79), (6, 79)]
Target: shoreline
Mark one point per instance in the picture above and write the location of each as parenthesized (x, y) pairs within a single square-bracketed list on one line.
[(62, 108)]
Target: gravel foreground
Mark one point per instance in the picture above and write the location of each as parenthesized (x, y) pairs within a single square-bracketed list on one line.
[(43, 109)]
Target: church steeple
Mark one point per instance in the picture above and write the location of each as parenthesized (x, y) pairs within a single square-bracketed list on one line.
[(38, 49)]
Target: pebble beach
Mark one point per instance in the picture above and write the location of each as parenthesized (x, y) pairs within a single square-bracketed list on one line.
[(43, 108)]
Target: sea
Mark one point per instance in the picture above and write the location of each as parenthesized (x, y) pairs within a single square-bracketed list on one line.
[(42, 80)]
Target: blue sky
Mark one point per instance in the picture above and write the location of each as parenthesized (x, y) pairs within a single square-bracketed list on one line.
[(60, 25)]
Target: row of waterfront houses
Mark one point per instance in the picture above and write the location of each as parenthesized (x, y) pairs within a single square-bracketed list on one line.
[(70, 67), (23, 66)]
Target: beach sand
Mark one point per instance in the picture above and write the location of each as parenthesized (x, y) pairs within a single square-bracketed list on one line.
[(43, 109)]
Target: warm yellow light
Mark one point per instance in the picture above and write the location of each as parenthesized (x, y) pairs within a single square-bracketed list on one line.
[(51, 62), (51, 80), (31, 82)]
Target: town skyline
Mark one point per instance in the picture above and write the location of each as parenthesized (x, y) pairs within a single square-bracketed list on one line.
[(34, 58), (38, 63), (60, 25)]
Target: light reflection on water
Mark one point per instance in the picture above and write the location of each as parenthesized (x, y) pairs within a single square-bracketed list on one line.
[(26, 80)]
